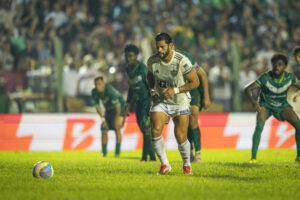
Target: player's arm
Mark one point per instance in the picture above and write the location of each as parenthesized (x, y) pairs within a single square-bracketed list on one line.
[(192, 82), (127, 105), (100, 112), (203, 76), (248, 90), (151, 83), (297, 94)]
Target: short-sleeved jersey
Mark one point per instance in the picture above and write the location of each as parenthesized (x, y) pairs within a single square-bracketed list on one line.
[(110, 97), (197, 91), (170, 75), (273, 92), (137, 80)]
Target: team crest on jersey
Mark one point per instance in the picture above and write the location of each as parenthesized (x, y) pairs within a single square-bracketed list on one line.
[(174, 70)]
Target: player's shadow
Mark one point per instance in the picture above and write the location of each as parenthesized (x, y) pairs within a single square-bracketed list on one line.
[(230, 177), (235, 164), (129, 158)]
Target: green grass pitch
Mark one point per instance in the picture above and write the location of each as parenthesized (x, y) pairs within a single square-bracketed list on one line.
[(224, 174)]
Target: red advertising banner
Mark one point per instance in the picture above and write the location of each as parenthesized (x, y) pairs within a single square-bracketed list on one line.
[(58, 132)]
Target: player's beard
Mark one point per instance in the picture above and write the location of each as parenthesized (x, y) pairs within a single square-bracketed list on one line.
[(164, 54)]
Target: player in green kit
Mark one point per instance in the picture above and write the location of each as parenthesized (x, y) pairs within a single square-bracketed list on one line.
[(113, 119), (139, 91), (274, 86), (199, 100), (296, 53)]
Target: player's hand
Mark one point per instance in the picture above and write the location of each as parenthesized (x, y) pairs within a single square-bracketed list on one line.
[(206, 103), (126, 110), (169, 93), (104, 125), (295, 98), (257, 107), (155, 96)]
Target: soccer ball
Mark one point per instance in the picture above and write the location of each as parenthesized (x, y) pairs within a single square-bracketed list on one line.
[(42, 169)]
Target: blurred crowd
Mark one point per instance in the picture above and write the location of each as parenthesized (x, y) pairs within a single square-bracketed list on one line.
[(95, 32)]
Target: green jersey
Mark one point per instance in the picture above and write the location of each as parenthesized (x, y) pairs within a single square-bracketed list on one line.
[(137, 80), (110, 97), (273, 92)]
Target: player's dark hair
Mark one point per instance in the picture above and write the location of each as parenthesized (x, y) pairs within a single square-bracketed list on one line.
[(98, 78), (163, 36), (279, 56), (296, 50), (131, 48)]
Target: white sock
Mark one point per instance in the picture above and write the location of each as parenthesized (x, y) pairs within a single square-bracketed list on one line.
[(159, 147), (185, 149)]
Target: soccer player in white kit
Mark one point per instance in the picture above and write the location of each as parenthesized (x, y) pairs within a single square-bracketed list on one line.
[(170, 77)]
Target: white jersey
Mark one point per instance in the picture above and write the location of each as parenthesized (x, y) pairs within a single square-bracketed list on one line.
[(170, 75)]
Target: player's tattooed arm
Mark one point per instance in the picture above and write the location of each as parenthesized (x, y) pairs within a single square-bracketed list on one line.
[(248, 90), (192, 82)]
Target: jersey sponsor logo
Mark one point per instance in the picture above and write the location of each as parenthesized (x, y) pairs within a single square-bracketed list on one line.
[(165, 84), (278, 90), (116, 101), (174, 72), (156, 71), (135, 80)]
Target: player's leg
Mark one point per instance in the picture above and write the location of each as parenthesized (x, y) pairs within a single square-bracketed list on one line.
[(158, 120), (104, 137), (118, 123), (104, 140), (191, 140), (194, 127), (289, 115), (181, 123), (143, 120), (260, 123)]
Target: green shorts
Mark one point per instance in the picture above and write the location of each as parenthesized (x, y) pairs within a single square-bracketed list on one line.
[(110, 116), (277, 112), (195, 98), (142, 112)]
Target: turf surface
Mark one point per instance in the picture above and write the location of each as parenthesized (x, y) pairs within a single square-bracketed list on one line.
[(224, 174)]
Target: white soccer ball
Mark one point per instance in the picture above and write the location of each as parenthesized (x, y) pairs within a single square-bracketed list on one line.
[(42, 169)]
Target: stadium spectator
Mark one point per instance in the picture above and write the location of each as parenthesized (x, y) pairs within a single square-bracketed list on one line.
[(220, 78), (261, 27)]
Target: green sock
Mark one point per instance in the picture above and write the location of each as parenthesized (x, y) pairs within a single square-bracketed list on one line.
[(297, 136), (118, 149), (190, 137), (197, 139), (104, 149), (149, 148), (256, 137)]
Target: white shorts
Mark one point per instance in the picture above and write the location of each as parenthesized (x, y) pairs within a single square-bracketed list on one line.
[(171, 110)]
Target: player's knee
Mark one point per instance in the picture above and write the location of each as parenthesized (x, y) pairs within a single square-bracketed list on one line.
[(156, 131), (145, 129), (181, 138), (104, 133)]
